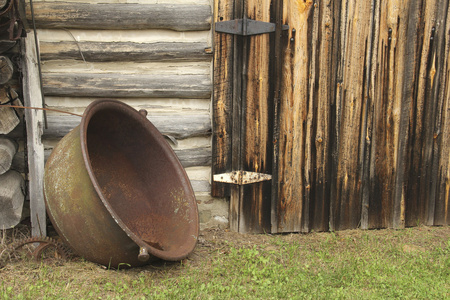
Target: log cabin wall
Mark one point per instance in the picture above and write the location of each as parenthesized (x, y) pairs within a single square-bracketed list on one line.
[(153, 55)]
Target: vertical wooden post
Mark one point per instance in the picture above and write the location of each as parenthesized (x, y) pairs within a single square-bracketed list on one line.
[(34, 124)]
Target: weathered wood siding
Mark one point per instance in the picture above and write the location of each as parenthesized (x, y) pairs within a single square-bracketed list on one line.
[(364, 125), (153, 55), (360, 115)]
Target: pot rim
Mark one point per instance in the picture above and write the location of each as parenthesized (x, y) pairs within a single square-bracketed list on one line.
[(89, 112)]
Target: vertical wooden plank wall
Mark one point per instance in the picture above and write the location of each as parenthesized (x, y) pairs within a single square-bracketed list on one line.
[(364, 130)]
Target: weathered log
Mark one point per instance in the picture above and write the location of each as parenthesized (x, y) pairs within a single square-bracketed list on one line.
[(190, 157), (8, 149), (79, 15), (120, 85), (178, 126), (124, 51), (194, 157), (6, 69), (12, 191)]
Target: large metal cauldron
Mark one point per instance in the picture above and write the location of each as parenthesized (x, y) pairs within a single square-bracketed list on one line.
[(116, 192)]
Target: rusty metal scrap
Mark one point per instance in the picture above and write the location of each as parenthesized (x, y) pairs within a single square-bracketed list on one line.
[(37, 247)]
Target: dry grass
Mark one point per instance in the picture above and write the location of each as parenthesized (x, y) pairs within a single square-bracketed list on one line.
[(410, 263)]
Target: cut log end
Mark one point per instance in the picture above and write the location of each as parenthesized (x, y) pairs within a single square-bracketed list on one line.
[(8, 149), (6, 69), (12, 187), (9, 117)]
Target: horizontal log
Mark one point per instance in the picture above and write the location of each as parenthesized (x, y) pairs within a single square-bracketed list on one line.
[(195, 157), (129, 85), (180, 17), (12, 187), (191, 157), (177, 126), (124, 51)]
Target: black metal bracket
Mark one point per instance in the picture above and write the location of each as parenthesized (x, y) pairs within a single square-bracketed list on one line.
[(246, 27)]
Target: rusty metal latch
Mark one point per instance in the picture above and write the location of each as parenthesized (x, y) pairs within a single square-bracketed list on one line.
[(246, 27), (241, 177)]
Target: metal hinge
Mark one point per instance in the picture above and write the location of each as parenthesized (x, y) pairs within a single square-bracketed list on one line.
[(246, 27), (241, 177)]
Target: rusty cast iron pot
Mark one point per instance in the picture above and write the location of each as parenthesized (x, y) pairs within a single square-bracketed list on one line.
[(116, 192)]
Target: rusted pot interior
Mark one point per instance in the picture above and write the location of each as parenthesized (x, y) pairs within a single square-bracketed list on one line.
[(139, 179)]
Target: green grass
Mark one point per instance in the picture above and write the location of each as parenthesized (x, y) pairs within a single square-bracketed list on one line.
[(405, 264)]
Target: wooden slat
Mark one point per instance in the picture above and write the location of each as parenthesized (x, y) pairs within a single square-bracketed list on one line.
[(291, 158), (384, 94), (124, 51), (349, 135), (277, 50), (238, 61), (180, 17), (420, 131), (320, 89), (222, 99), (35, 124), (410, 56), (256, 122), (441, 162), (178, 126), (126, 85), (304, 116)]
